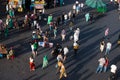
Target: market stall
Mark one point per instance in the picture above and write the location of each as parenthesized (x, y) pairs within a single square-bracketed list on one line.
[(3, 50), (16, 4), (39, 6)]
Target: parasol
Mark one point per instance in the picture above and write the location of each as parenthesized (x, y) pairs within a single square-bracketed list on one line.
[(98, 4), (95, 3)]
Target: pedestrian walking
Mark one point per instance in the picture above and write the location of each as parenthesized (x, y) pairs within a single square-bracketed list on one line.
[(62, 71), (38, 27), (10, 23), (58, 65), (11, 54), (51, 26), (61, 2), (113, 75), (35, 24), (55, 32), (108, 47), (65, 50), (34, 47), (74, 8), (7, 8), (101, 65), (69, 15), (87, 17), (77, 9), (106, 33), (45, 62), (75, 47), (50, 18), (81, 7), (63, 34), (106, 64), (60, 57), (65, 18), (11, 12), (31, 63), (6, 31), (113, 68), (71, 24), (76, 34), (102, 46), (34, 35)]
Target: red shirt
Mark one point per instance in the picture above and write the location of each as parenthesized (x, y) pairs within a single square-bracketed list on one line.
[(106, 62)]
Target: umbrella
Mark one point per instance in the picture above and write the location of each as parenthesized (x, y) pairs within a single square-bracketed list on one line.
[(95, 3), (101, 9)]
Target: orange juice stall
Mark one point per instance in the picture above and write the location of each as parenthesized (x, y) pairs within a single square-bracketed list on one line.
[(39, 6), (16, 4)]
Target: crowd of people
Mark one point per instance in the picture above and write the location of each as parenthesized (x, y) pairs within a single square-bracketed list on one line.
[(43, 38), (104, 63)]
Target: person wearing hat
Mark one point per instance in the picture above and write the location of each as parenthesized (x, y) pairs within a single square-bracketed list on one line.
[(34, 35), (75, 47)]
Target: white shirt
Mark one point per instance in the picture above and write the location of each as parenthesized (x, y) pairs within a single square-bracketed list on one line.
[(108, 45), (81, 4), (26, 16), (101, 61), (77, 31), (111, 0), (75, 44), (65, 16), (113, 68), (76, 2), (74, 6), (7, 7), (32, 47), (69, 14), (31, 60), (59, 57), (35, 22), (65, 50)]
